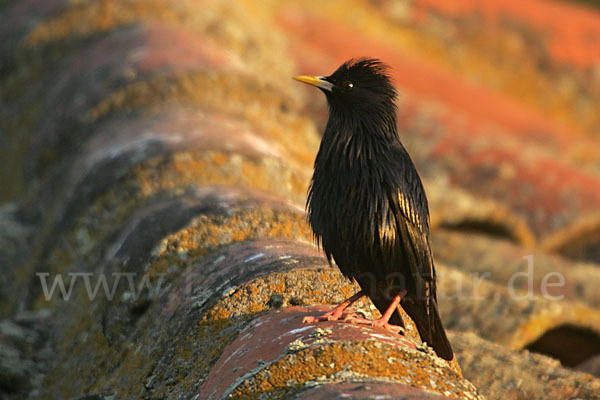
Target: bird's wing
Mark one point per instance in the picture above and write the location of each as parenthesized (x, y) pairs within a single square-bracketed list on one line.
[(408, 213), (406, 242), (413, 233)]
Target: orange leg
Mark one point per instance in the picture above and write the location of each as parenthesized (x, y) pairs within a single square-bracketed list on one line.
[(338, 312), (383, 321)]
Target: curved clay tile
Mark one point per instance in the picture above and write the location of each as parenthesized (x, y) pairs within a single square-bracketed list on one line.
[(500, 259), (505, 374), (506, 314)]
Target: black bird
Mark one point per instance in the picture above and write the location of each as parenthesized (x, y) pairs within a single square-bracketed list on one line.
[(367, 206)]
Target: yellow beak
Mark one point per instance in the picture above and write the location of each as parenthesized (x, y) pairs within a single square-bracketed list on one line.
[(317, 81)]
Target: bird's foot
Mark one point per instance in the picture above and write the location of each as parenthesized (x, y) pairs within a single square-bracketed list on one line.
[(331, 316), (380, 323), (338, 313), (383, 322)]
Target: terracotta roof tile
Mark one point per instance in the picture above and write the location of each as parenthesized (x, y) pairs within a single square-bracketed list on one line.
[(507, 313), (364, 391), (291, 354), (571, 30)]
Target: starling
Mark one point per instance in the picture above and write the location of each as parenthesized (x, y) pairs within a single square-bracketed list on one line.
[(367, 206)]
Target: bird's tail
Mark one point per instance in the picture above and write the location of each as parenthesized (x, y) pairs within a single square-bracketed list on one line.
[(429, 326)]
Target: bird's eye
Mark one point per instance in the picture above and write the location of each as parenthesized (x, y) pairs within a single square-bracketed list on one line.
[(348, 85)]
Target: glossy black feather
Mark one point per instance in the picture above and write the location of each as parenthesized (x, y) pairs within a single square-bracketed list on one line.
[(366, 203)]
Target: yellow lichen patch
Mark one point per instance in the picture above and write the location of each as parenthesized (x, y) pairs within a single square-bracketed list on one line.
[(295, 287), (86, 18), (82, 340), (194, 353), (183, 169), (123, 367), (257, 103), (17, 129), (127, 379), (207, 230), (174, 175), (236, 26), (89, 230), (366, 359), (215, 334)]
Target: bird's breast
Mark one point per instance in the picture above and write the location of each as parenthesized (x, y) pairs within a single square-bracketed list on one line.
[(351, 204)]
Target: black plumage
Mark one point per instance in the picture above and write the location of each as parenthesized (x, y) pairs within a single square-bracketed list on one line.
[(366, 203)]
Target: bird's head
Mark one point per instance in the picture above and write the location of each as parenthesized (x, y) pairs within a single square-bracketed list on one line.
[(357, 85)]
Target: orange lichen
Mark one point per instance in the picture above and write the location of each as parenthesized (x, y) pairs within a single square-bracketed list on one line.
[(348, 291), (277, 288), (220, 159)]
